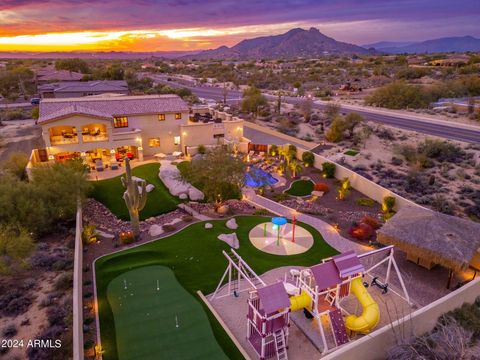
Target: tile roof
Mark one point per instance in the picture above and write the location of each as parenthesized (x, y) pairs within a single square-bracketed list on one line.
[(86, 86), (109, 106)]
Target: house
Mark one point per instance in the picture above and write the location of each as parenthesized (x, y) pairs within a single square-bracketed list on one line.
[(70, 89), (50, 75), (107, 127)]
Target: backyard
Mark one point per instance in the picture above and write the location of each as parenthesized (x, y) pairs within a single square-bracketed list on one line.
[(194, 255), (110, 191)]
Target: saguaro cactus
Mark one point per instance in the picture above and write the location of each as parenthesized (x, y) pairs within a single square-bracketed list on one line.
[(134, 197)]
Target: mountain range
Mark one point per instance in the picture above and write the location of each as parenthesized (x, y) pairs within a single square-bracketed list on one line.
[(294, 43), (441, 45)]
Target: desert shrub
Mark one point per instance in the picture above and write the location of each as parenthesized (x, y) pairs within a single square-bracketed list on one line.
[(467, 316), (399, 95), (369, 220), (328, 170), (14, 302), (365, 202), (201, 149), (15, 164), (126, 237), (441, 150), (89, 234), (396, 161), (336, 130), (344, 189), (441, 204), (9, 331), (388, 204), (64, 282), (361, 232), (88, 344), (56, 315), (321, 187), (308, 158), (88, 320), (169, 227), (261, 212)]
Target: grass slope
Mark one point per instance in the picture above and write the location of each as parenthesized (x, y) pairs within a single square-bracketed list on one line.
[(135, 306), (110, 191), (301, 188), (195, 256)]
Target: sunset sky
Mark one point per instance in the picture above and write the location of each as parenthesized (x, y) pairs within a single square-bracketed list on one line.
[(158, 25)]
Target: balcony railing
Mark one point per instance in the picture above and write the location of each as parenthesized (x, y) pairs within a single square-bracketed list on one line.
[(64, 139), (94, 138)]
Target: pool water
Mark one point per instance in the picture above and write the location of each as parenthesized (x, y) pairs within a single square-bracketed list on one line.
[(255, 177)]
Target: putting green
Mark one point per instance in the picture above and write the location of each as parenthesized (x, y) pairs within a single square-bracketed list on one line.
[(181, 329)]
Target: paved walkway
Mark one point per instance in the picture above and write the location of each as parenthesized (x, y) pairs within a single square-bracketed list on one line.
[(329, 233)]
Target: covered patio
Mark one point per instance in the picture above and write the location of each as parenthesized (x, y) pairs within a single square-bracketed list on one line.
[(430, 238)]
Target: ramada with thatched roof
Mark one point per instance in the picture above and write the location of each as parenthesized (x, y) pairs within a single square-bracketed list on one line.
[(433, 238)]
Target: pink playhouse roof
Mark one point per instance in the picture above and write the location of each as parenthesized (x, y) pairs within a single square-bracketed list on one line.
[(326, 275), (273, 297), (348, 264)]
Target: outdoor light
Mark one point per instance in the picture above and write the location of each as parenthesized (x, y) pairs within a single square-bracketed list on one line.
[(184, 133), (138, 139), (83, 154), (112, 151), (51, 157), (140, 148)]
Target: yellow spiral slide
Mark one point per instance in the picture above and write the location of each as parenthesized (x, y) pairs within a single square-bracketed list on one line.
[(371, 313)]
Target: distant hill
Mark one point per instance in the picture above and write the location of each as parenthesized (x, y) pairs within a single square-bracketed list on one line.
[(387, 44), (442, 45), (294, 43), (120, 55)]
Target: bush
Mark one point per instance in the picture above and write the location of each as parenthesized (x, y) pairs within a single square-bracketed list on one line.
[(344, 189), (321, 187), (365, 202), (336, 130), (9, 331), (88, 234), (388, 204), (328, 170), (308, 158), (14, 303), (187, 218), (64, 282), (362, 232), (201, 149), (400, 95), (273, 151), (369, 220), (281, 197)]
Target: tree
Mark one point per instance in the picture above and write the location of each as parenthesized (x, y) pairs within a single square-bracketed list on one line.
[(279, 102), (400, 95), (16, 245), (75, 64), (35, 113), (135, 197), (332, 110), (295, 168), (15, 164), (336, 130), (219, 175), (351, 121), (306, 108), (308, 158), (253, 100)]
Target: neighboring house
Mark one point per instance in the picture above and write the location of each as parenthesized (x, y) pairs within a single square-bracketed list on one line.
[(109, 127), (70, 89), (50, 75)]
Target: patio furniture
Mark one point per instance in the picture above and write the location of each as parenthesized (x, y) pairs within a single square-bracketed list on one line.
[(99, 165), (113, 165), (160, 156), (177, 153)]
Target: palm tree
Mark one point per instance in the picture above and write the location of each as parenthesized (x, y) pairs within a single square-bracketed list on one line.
[(295, 168)]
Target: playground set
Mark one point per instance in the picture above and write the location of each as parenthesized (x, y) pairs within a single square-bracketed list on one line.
[(318, 291)]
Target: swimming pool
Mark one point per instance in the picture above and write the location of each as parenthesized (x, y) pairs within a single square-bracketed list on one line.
[(256, 177)]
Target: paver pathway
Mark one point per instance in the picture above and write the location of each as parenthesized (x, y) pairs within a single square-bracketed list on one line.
[(329, 233)]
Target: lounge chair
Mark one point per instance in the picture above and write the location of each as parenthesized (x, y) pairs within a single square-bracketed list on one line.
[(113, 165), (99, 165)]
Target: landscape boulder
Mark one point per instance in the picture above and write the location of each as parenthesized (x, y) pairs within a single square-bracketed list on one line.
[(195, 194), (232, 224), (230, 239), (183, 196), (102, 235), (208, 226), (155, 230), (150, 188)]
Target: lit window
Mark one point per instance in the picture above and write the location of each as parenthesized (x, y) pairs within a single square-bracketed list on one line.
[(154, 142), (176, 140), (120, 122), (178, 116), (161, 117)]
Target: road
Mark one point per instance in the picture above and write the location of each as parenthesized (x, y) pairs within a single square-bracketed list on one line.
[(430, 127), (16, 105)]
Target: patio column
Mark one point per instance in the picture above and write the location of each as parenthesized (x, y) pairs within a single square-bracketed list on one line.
[(140, 153), (79, 135)]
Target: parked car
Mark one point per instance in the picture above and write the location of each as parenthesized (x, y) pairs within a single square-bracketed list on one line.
[(35, 101)]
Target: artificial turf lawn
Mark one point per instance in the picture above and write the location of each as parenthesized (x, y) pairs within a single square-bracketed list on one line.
[(110, 193), (301, 188), (182, 325), (195, 256)]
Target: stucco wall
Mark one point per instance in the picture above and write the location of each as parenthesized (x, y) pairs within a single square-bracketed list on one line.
[(77, 289), (376, 345)]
